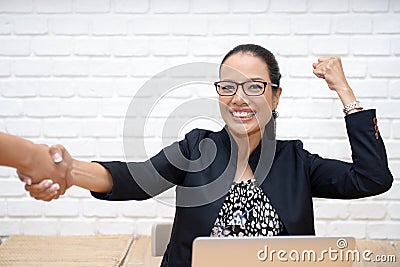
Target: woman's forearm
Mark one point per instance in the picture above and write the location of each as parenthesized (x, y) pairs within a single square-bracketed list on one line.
[(91, 176)]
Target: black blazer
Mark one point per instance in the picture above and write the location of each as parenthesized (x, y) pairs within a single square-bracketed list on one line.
[(295, 177)]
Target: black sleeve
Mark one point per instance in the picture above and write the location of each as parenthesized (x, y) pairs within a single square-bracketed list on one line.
[(143, 180), (368, 174)]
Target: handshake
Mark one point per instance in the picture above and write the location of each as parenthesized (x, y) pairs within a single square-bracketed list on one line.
[(46, 171), (48, 180)]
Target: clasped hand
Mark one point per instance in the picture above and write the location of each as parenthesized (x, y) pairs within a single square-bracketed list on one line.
[(48, 174)]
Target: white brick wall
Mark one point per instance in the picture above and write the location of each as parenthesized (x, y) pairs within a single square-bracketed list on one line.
[(69, 69)]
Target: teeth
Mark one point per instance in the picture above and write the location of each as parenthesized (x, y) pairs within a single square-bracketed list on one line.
[(243, 114)]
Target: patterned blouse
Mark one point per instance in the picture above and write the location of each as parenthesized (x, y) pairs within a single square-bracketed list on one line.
[(247, 211)]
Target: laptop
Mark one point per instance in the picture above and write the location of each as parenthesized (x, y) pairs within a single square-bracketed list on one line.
[(274, 251)]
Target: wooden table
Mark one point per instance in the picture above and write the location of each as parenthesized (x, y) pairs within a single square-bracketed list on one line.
[(101, 250), (121, 250), (140, 254)]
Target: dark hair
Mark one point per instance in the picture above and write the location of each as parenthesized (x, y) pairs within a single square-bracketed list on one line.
[(262, 53)]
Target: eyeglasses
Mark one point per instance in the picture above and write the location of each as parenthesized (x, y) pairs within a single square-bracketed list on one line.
[(250, 88)]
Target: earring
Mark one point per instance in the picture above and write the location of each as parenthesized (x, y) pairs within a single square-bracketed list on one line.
[(275, 114)]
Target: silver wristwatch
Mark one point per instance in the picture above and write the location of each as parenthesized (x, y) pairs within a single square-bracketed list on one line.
[(353, 105)]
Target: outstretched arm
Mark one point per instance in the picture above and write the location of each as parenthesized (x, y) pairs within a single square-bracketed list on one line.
[(88, 175), (133, 180)]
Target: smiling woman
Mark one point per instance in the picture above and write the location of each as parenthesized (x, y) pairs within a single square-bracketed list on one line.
[(247, 112), (266, 188)]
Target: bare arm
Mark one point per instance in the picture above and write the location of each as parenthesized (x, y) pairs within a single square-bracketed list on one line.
[(91, 176), (17, 152)]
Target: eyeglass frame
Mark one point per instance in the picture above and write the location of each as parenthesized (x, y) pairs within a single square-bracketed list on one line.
[(265, 83)]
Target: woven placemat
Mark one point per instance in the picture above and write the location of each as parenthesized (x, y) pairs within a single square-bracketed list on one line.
[(97, 250)]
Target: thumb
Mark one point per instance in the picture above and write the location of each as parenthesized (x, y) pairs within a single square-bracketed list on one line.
[(56, 153)]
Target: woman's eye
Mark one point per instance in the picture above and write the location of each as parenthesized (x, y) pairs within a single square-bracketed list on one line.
[(255, 87), (228, 87)]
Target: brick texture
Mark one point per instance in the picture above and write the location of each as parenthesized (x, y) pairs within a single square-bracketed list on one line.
[(69, 70)]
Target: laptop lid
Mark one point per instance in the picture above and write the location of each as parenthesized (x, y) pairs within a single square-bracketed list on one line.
[(274, 251)]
